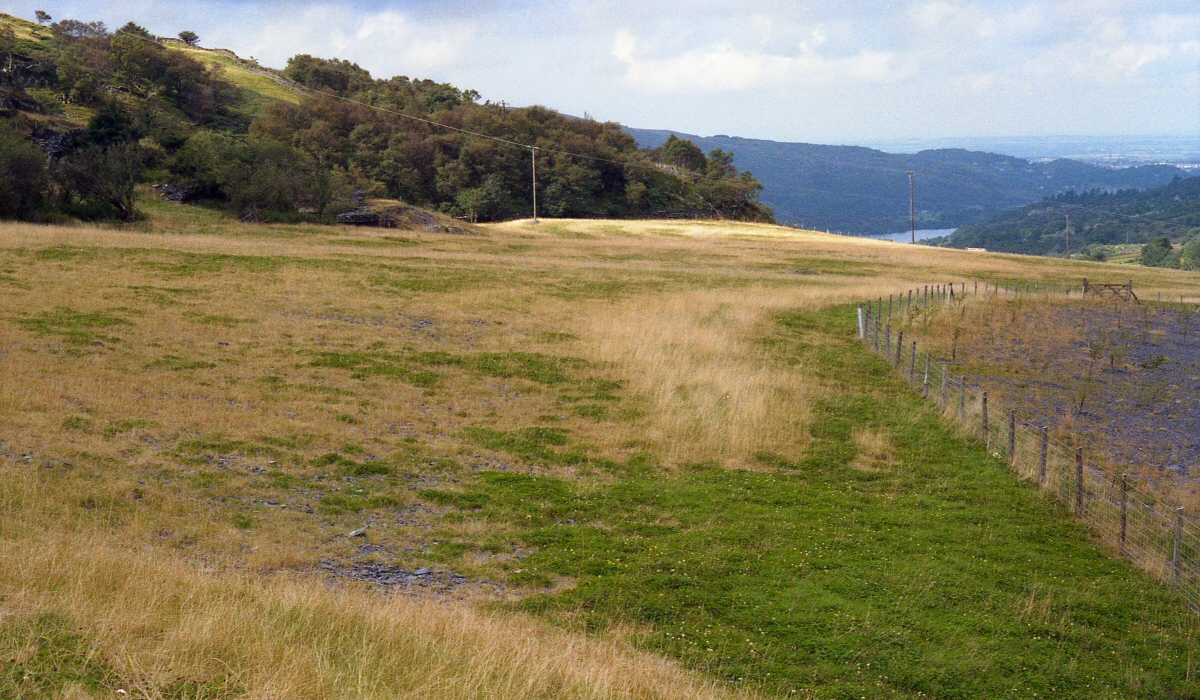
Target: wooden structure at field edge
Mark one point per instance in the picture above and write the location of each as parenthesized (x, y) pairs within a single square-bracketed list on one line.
[(1124, 292)]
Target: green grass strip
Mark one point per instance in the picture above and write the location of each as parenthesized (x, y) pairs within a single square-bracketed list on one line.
[(939, 575)]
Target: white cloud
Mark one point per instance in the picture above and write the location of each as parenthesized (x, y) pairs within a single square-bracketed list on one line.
[(722, 67), (983, 83), (387, 42), (1128, 59), (1102, 63)]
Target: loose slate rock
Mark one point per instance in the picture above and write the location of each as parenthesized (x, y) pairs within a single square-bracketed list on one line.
[(385, 575)]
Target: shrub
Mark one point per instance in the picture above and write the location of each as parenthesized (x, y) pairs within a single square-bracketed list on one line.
[(1155, 253), (99, 182), (1189, 254), (24, 180)]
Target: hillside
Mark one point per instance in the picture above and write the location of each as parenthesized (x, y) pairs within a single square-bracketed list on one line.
[(586, 459), (864, 191), (111, 109), (1096, 218)]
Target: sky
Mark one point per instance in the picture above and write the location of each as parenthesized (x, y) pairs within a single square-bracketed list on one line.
[(821, 71)]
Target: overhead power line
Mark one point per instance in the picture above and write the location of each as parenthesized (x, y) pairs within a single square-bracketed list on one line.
[(1124, 216)]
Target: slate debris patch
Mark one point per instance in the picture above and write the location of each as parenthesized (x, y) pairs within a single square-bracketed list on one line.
[(389, 576)]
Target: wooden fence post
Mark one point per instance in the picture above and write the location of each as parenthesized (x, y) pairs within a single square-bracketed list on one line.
[(1177, 549), (899, 347), (1124, 502), (1079, 482), (983, 404), (887, 341), (962, 397), (1042, 457), (925, 389), (876, 319), (1012, 436), (912, 364), (861, 329)]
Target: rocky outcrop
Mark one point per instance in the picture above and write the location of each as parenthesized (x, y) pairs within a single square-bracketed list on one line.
[(387, 214)]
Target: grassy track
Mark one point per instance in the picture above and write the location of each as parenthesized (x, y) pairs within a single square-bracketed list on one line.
[(928, 570)]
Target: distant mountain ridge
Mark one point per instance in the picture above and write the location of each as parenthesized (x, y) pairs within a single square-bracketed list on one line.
[(853, 189)]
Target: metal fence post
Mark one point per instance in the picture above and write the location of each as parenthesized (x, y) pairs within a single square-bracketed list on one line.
[(943, 385), (1012, 436), (962, 397), (1079, 482), (1176, 550), (1042, 457), (1124, 502)]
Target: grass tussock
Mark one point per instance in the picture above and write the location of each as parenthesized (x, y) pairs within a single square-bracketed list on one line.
[(874, 450)]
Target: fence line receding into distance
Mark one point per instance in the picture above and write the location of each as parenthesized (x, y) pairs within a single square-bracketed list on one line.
[(1135, 525)]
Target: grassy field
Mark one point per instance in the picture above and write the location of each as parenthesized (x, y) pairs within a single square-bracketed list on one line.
[(632, 459)]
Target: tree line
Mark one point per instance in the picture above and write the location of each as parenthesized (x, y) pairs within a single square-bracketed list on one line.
[(1166, 220), (159, 115)]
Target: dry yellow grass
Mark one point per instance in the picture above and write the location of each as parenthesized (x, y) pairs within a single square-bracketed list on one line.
[(156, 621), (156, 385), (875, 450)]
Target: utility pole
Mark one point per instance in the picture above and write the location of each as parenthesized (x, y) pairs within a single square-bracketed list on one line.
[(1068, 236), (912, 206), (533, 150)]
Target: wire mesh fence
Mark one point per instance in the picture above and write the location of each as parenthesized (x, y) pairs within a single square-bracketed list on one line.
[(1138, 526)]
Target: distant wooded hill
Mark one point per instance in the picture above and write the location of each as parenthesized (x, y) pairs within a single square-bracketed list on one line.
[(861, 190), (1130, 216)]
